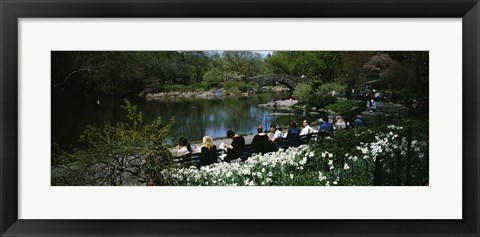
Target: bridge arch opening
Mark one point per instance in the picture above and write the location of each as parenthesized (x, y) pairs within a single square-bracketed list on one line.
[(289, 81)]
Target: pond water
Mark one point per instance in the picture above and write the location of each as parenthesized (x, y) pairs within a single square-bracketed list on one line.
[(194, 117)]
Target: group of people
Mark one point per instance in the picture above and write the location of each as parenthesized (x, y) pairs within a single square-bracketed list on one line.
[(263, 141), (327, 126), (208, 150)]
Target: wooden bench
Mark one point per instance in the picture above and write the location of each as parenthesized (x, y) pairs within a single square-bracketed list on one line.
[(199, 159), (296, 141)]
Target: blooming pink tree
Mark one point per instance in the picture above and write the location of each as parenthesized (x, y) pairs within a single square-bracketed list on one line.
[(379, 64)]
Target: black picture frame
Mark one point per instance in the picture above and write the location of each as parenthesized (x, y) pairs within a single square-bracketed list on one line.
[(11, 11)]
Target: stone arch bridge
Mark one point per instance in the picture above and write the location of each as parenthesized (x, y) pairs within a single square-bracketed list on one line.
[(288, 81)]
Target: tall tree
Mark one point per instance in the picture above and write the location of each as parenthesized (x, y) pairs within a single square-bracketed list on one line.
[(320, 65), (242, 63), (352, 73), (417, 65), (198, 63), (73, 72)]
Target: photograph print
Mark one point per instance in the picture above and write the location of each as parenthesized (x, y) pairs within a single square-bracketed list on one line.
[(240, 118)]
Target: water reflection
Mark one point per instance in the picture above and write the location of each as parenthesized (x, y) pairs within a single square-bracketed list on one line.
[(194, 117)]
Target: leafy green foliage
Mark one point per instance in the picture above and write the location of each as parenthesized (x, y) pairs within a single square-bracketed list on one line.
[(121, 73), (125, 153), (342, 106), (313, 64), (213, 77), (179, 88), (235, 86), (303, 91), (198, 63), (243, 63), (326, 94)]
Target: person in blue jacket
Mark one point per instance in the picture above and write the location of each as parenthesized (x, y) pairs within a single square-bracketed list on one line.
[(325, 129)]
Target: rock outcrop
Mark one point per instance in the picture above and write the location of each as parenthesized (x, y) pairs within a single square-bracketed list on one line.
[(279, 104), (385, 113), (214, 92)]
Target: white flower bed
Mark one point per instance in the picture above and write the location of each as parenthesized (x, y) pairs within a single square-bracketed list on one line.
[(300, 165), (385, 144), (257, 170)]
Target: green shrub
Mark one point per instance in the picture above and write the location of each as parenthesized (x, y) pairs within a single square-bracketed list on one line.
[(303, 91), (235, 86), (125, 153), (334, 88), (175, 88), (202, 86), (186, 88), (326, 94), (213, 77), (342, 106)]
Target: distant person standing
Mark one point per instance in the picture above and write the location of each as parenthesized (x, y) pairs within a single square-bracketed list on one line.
[(373, 104), (366, 94), (376, 95)]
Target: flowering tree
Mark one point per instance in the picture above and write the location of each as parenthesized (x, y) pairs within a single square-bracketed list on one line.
[(379, 64)]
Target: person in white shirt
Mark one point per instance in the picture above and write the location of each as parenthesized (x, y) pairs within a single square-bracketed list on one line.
[(307, 129), (183, 147), (274, 133)]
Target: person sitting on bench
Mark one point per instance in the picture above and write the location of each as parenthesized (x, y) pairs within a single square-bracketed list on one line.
[(325, 129), (183, 147), (260, 141), (208, 151), (236, 148), (274, 133), (307, 129), (293, 134), (340, 123), (293, 131)]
